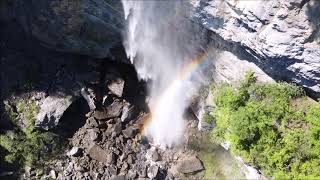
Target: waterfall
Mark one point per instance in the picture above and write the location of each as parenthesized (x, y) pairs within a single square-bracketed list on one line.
[(162, 44)]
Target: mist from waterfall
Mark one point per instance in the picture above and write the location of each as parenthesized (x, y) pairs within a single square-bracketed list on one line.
[(160, 41)]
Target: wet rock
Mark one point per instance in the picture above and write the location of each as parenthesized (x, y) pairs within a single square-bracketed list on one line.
[(189, 164), (153, 171), (75, 151), (130, 132), (116, 87), (97, 153), (51, 110)]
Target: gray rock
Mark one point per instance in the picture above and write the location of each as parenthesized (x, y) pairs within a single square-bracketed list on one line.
[(281, 37), (86, 95), (131, 174), (116, 87), (142, 172), (124, 168), (111, 158), (100, 114), (117, 128), (130, 132), (119, 177), (153, 171), (53, 174), (94, 135), (81, 27), (155, 156), (91, 122), (190, 164), (128, 112), (97, 153), (51, 110), (75, 151), (130, 159), (112, 169), (115, 109)]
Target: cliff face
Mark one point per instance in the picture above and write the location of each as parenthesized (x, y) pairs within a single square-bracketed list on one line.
[(78, 26), (281, 37)]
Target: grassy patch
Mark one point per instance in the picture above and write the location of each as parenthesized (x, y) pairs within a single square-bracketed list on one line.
[(272, 125)]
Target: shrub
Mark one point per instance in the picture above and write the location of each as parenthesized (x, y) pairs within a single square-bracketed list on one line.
[(267, 129), (27, 146)]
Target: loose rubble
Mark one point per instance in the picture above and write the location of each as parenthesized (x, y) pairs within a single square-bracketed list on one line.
[(110, 146)]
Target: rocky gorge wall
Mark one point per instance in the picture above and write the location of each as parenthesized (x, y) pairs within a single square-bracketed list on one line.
[(281, 37)]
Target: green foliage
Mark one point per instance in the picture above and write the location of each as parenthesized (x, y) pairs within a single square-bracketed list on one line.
[(208, 118), (271, 126), (27, 146)]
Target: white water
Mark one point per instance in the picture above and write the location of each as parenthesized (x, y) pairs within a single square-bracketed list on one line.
[(159, 41)]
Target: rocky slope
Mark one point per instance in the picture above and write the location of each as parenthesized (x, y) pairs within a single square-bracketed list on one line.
[(281, 37)]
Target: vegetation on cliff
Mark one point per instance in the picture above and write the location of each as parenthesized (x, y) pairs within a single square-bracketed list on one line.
[(26, 146), (273, 126)]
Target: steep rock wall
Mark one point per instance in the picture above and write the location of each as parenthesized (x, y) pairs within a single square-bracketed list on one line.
[(281, 37), (87, 27)]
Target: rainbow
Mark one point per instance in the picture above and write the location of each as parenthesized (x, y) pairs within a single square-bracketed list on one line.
[(185, 74)]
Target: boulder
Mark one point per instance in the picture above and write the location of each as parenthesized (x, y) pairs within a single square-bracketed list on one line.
[(128, 112), (130, 132), (51, 110), (75, 151), (117, 128), (94, 135), (155, 156), (153, 171), (97, 153), (114, 109), (190, 164), (82, 27), (100, 114), (116, 87), (53, 174), (89, 98)]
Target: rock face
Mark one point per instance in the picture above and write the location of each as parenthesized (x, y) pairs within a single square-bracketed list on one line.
[(281, 37), (190, 164), (80, 26), (51, 110)]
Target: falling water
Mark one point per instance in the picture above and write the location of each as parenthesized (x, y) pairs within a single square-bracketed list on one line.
[(161, 43)]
